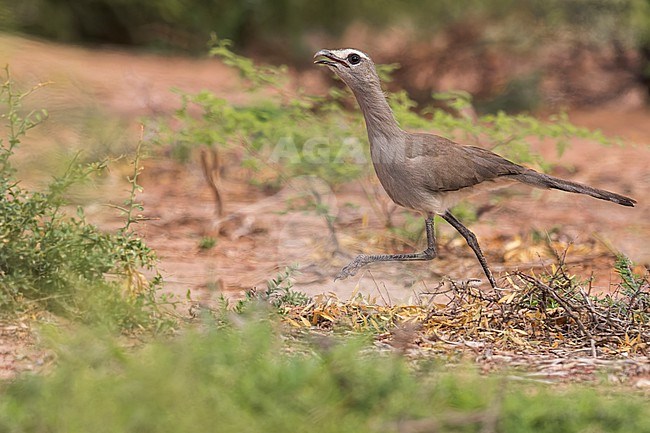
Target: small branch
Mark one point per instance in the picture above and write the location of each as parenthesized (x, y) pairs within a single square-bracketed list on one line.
[(131, 205), (211, 169), (567, 307)]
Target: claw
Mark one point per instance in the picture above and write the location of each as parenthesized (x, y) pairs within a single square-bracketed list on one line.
[(352, 268), (345, 273)]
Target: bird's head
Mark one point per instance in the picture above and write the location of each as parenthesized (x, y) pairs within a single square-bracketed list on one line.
[(354, 67)]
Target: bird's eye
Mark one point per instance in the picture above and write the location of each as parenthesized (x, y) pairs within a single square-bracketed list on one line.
[(354, 58)]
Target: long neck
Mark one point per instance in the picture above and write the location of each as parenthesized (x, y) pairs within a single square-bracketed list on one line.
[(380, 120)]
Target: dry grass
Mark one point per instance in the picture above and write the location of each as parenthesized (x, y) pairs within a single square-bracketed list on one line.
[(550, 325)]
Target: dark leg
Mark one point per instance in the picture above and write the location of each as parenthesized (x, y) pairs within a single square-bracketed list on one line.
[(472, 242), (362, 259)]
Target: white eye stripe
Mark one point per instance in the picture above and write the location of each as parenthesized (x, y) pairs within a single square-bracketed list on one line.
[(344, 53)]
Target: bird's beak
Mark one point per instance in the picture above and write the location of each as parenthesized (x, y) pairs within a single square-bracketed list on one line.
[(326, 57)]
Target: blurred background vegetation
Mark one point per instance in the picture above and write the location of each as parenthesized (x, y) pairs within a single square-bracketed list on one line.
[(490, 38), (186, 25)]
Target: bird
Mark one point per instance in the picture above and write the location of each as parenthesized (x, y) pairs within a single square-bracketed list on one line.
[(428, 173)]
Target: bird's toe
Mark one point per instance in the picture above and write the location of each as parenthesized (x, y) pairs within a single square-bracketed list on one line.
[(351, 269), (346, 272)]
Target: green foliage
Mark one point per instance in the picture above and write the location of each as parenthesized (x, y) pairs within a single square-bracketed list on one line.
[(256, 75), (632, 282), (61, 262), (636, 291), (284, 136), (279, 293), (131, 206), (207, 243), (279, 290), (245, 377)]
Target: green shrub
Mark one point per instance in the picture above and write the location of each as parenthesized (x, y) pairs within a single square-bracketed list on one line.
[(51, 260)]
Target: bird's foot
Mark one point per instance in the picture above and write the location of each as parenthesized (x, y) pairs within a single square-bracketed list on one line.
[(353, 267)]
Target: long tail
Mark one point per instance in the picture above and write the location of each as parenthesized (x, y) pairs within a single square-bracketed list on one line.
[(541, 180)]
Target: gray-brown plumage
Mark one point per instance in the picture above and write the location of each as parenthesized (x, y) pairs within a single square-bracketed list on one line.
[(426, 172)]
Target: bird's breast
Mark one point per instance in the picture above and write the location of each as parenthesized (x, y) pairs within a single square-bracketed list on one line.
[(405, 187)]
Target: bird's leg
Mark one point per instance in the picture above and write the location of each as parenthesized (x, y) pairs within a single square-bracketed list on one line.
[(472, 242), (363, 259)]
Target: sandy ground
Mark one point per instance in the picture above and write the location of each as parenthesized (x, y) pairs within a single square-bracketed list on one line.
[(263, 239)]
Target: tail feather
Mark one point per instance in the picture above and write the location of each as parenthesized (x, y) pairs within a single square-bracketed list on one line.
[(541, 180)]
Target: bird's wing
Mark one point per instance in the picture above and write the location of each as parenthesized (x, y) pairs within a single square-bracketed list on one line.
[(448, 166)]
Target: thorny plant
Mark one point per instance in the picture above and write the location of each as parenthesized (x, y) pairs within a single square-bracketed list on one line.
[(279, 293), (132, 208), (553, 312)]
